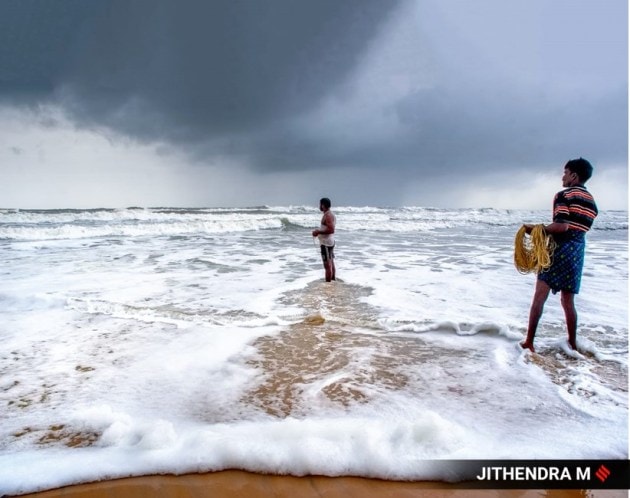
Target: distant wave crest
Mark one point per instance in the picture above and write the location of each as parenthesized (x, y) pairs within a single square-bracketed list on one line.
[(164, 221)]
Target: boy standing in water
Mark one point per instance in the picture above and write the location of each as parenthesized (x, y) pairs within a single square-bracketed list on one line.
[(326, 235), (574, 210)]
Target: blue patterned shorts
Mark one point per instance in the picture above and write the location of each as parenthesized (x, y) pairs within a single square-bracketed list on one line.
[(565, 272)]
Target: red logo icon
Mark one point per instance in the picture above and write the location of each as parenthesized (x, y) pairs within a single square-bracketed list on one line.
[(602, 473)]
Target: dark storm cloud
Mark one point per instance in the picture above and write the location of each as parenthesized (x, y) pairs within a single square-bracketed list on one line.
[(248, 80), (441, 132), (182, 70), (479, 129)]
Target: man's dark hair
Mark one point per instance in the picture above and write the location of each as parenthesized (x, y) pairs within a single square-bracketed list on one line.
[(325, 201), (581, 167)]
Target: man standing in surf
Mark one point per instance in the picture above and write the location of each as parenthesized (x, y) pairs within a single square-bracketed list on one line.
[(326, 236), (574, 211)]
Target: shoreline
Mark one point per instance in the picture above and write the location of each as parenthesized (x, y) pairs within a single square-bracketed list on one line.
[(242, 484)]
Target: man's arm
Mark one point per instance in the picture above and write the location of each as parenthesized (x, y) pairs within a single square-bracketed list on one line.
[(329, 221), (555, 227)]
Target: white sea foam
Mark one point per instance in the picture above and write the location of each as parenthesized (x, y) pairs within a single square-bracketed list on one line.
[(162, 340)]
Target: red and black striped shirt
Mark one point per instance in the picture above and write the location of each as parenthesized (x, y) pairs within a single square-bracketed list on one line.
[(576, 207)]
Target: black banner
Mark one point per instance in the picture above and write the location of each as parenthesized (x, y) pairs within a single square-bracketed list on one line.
[(535, 474)]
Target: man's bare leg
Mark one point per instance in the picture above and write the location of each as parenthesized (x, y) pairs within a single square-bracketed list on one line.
[(328, 267), (568, 304), (541, 293)]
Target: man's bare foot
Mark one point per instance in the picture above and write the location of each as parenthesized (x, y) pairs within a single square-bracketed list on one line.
[(528, 345)]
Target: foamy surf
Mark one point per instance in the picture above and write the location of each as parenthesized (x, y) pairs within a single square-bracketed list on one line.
[(170, 341)]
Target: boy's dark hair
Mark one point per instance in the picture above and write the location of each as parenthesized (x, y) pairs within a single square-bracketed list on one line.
[(581, 167), (325, 201)]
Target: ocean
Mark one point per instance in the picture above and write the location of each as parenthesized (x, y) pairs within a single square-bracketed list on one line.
[(166, 340)]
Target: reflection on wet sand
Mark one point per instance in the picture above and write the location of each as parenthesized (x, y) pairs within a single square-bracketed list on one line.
[(325, 354)]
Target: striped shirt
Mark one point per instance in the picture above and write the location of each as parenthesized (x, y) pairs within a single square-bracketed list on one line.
[(576, 207)]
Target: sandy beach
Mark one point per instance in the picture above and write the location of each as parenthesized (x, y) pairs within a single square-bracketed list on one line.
[(239, 484)]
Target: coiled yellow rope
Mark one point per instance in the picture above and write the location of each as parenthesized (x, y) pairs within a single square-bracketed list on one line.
[(533, 253)]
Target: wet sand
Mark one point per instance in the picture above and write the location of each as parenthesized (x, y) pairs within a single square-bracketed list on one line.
[(239, 484)]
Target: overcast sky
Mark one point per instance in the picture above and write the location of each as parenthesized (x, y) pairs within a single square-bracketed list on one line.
[(446, 103)]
